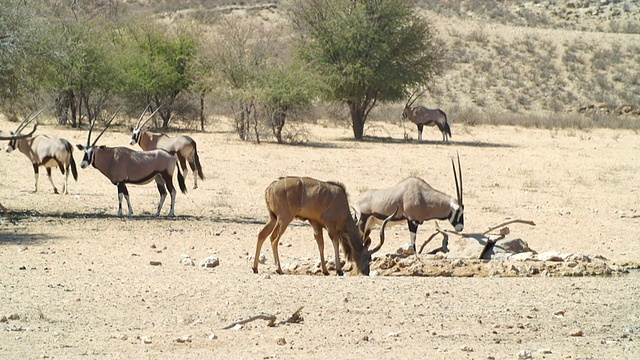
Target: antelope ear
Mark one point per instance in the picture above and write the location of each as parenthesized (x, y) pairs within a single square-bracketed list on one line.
[(80, 147)]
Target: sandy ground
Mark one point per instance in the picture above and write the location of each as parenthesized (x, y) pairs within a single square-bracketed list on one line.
[(77, 282)]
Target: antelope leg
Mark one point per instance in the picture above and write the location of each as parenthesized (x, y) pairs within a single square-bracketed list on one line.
[(413, 229), (163, 196), (262, 236), (55, 190), (317, 233), (35, 171)]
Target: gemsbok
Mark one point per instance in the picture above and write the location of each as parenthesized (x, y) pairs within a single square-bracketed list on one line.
[(123, 166), (43, 150), (184, 147), (422, 116), (16, 137), (325, 206), (416, 201)]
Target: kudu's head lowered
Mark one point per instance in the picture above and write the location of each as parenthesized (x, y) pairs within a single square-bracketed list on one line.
[(89, 149), (457, 214), (16, 135), (135, 132)]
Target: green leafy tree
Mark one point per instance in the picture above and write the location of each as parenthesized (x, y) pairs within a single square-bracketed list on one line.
[(157, 64), (366, 51), (21, 33)]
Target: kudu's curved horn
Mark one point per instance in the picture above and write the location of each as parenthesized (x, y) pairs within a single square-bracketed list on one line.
[(150, 116), (142, 115), (384, 225), (103, 130), (455, 177)]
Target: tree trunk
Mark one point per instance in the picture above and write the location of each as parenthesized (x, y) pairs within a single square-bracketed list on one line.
[(202, 111), (357, 119)]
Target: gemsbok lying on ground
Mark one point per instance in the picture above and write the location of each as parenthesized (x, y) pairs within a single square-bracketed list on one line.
[(184, 147), (16, 137), (324, 205), (422, 116), (43, 150), (416, 202), (125, 166)]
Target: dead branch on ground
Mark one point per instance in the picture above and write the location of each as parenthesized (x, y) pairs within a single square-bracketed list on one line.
[(294, 319)]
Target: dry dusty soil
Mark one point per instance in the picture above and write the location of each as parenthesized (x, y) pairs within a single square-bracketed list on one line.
[(78, 282)]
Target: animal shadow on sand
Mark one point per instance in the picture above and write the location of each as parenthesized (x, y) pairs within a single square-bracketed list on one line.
[(390, 140)]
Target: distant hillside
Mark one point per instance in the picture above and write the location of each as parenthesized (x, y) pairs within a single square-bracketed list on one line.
[(511, 58)]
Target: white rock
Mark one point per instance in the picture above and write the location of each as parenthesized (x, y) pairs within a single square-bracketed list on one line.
[(550, 256), (466, 348), (524, 256), (544, 351), (186, 260), (212, 336), (405, 249), (374, 273), (524, 354), (393, 334), (210, 262)]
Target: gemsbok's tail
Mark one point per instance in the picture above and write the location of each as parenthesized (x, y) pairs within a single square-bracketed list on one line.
[(183, 186), (74, 170), (197, 160)]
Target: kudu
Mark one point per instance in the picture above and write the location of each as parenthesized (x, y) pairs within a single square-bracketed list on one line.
[(184, 147), (123, 166), (16, 137), (43, 150), (325, 206), (422, 116), (416, 202)]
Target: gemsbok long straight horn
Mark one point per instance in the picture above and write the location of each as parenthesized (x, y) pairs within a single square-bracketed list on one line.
[(184, 147), (122, 165), (44, 150), (325, 206), (416, 202)]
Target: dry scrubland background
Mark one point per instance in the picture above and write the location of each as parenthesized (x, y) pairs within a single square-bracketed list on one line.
[(76, 281)]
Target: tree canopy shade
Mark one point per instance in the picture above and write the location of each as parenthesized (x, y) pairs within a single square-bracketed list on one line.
[(366, 51)]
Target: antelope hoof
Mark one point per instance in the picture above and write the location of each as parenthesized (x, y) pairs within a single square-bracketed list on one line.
[(195, 186), (279, 272), (340, 273), (255, 270), (55, 191)]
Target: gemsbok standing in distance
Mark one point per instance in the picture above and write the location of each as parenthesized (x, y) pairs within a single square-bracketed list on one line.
[(16, 137), (184, 147), (416, 202), (47, 151), (123, 166), (422, 116), (325, 206)]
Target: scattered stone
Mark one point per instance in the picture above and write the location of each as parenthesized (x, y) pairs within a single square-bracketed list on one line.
[(266, 276), (212, 336), (466, 348), (524, 354), (3, 319), (184, 339), (237, 327), (544, 351), (523, 256), (155, 263), (405, 249), (559, 314), (393, 334), (186, 260), (577, 333), (146, 339), (281, 341), (153, 246), (374, 273), (210, 262), (14, 317), (551, 256)]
